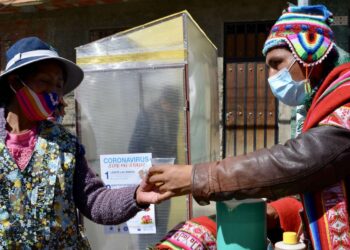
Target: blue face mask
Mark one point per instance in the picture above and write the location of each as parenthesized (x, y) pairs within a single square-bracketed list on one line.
[(285, 89)]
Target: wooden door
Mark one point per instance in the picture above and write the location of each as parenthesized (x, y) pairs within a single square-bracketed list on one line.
[(251, 118), (251, 111)]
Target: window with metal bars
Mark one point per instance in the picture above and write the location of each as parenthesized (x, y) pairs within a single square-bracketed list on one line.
[(244, 41)]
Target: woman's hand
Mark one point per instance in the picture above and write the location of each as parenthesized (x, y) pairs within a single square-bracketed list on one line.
[(170, 180), (147, 194)]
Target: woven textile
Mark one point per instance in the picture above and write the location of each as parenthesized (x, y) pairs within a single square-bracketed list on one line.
[(326, 210), (198, 233)]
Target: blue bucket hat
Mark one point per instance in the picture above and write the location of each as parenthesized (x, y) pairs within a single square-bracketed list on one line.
[(31, 49)]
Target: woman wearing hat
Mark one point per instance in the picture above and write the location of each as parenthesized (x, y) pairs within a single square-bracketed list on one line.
[(306, 70), (44, 175)]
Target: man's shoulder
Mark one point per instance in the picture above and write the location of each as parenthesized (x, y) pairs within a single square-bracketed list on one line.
[(341, 69)]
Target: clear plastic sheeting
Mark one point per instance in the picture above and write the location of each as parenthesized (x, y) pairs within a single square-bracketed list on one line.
[(151, 89), (132, 111), (128, 115), (203, 95)]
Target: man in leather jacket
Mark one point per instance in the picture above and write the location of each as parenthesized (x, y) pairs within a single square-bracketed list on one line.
[(306, 70)]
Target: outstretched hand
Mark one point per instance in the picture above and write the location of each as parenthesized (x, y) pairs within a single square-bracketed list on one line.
[(164, 182), (170, 180), (147, 193)]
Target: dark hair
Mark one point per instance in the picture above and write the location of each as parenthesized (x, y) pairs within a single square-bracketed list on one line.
[(6, 93), (330, 62), (5, 90)]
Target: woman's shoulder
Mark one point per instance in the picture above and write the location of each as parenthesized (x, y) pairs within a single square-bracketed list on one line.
[(58, 134)]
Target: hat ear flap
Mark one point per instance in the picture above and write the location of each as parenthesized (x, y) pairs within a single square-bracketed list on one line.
[(309, 48)]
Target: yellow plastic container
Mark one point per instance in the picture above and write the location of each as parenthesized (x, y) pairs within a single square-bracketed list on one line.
[(290, 242)]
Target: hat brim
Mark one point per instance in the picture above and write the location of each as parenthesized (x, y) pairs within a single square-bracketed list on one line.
[(74, 74)]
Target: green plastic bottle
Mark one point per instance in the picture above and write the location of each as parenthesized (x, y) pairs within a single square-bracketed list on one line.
[(241, 225)]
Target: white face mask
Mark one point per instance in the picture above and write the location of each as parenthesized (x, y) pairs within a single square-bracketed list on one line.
[(285, 89)]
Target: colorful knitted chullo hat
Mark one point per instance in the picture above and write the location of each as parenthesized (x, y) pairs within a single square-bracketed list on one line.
[(306, 31)]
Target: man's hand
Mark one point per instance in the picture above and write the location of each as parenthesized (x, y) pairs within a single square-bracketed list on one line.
[(170, 180)]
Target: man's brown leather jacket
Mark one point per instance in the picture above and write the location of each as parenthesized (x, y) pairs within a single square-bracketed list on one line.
[(313, 160)]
